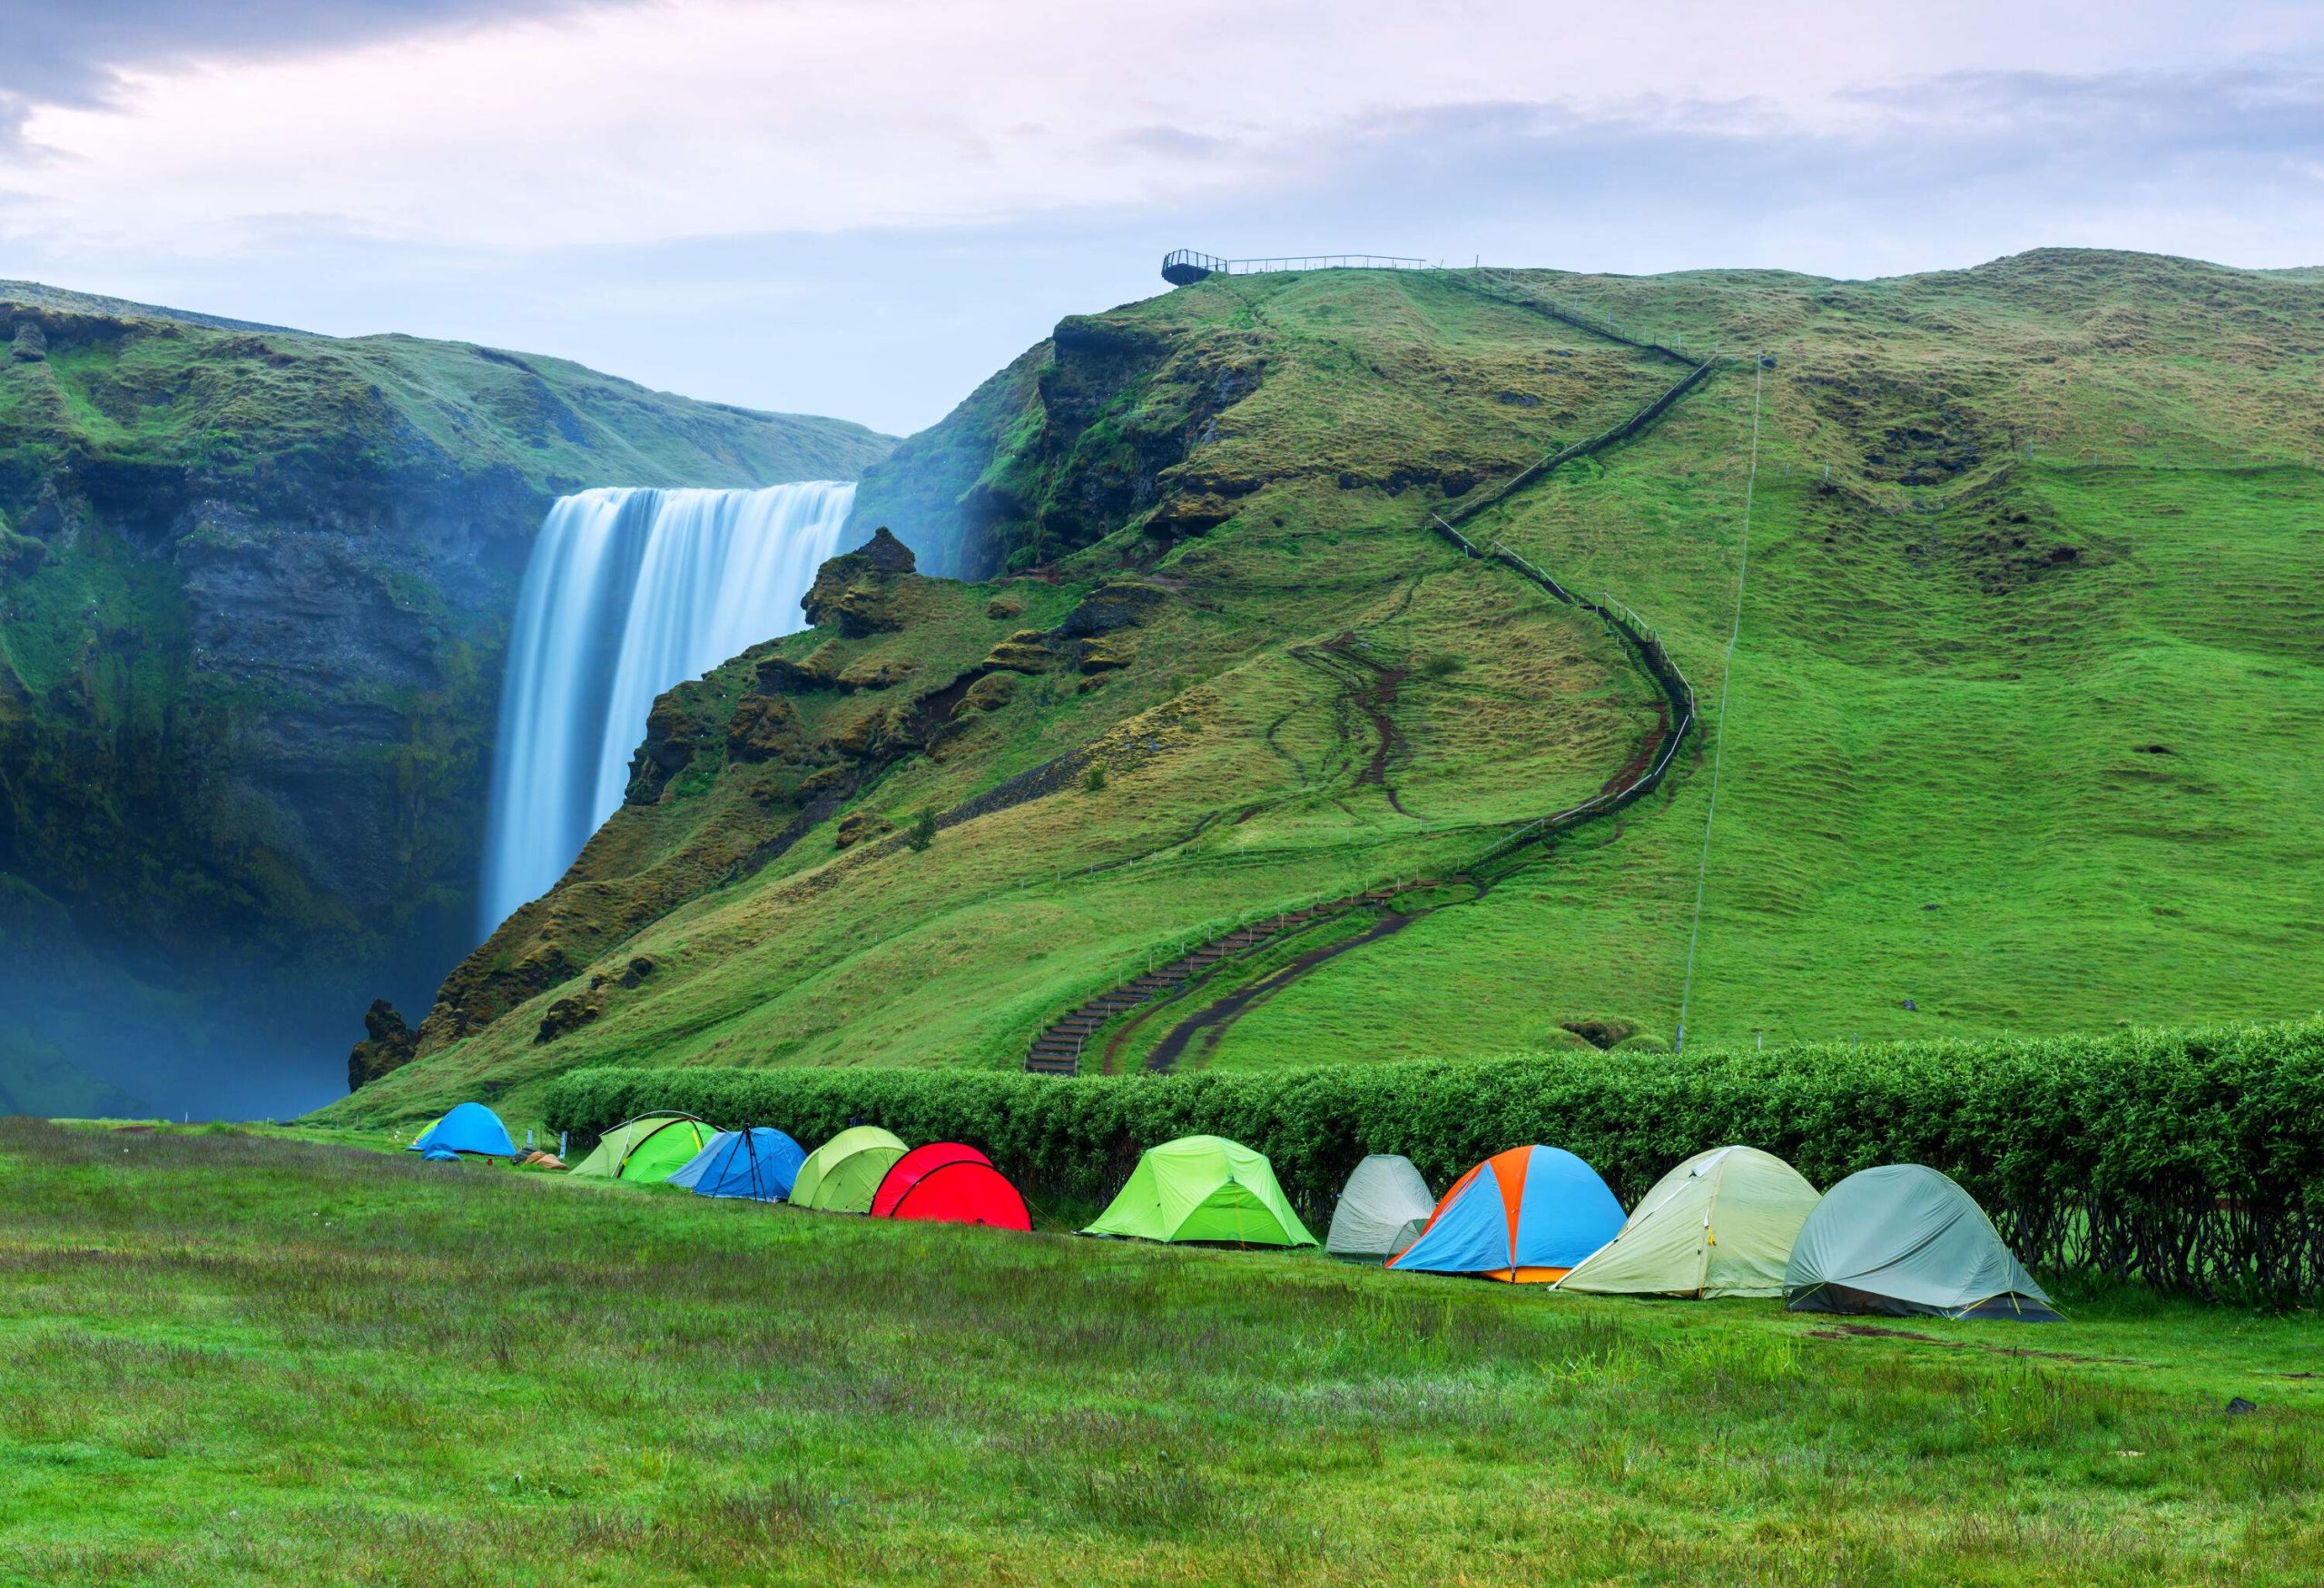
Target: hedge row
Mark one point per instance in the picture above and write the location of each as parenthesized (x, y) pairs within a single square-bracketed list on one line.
[(2192, 1160)]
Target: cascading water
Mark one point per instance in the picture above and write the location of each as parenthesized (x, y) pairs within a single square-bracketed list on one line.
[(627, 593)]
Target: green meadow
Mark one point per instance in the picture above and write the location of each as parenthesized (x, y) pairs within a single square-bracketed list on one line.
[(273, 1357)]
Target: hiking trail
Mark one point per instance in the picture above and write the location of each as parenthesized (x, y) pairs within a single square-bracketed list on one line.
[(1370, 688)]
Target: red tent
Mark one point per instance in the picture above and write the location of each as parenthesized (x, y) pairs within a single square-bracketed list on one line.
[(907, 1171), (949, 1183)]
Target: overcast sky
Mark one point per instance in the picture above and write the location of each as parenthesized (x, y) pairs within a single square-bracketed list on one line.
[(862, 207)]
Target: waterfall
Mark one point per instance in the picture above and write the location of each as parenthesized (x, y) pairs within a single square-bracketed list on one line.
[(629, 592)]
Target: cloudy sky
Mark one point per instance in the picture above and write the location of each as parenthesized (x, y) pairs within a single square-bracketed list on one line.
[(861, 207)]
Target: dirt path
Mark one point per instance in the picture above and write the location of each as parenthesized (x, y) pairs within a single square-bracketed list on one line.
[(1368, 688), (1211, 1024)]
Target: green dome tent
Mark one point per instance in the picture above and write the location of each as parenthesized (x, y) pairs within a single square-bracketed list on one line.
[(1720, 1224), (647, 1150), (1203, 1187), (1381, 1209), (844, 1174), (1905, 1240)]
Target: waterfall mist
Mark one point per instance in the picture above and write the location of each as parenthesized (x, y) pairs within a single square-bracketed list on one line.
[(629, 592)]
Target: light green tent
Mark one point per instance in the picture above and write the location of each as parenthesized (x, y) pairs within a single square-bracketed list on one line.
[(649, 1149), (841, 1175), (1203, 1187), (1720, 1224)]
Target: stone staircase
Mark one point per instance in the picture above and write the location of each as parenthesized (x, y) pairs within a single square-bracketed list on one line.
[(1058, 1050)]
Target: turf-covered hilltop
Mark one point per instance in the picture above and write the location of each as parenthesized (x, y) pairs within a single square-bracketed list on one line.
[(1999, 592), (254, 586)]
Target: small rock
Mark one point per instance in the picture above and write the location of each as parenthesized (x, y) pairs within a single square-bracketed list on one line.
[(992, 692), (857, 825), (2239, 1406), (567, 1014), (1026, 651)]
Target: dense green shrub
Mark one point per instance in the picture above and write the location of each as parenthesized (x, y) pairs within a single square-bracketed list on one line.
[(2193, 1160)]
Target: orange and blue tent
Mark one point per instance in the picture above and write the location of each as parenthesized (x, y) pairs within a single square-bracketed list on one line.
[(1525, 1216)]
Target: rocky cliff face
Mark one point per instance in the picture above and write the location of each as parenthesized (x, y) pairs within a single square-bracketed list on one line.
[(1085, 435), (253, 590), (734, 769)]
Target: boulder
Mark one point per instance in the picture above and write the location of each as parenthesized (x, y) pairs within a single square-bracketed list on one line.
[(992, 692), (567, 1014), (1026, 651), (764, 727), (857, 825)]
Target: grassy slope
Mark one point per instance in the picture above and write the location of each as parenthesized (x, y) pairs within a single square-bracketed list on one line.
[(958, 955), (1940, 781), (236, 1360), (125, 384), (1934, 705)]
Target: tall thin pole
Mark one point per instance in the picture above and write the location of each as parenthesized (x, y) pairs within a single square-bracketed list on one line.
[(1726, 677)]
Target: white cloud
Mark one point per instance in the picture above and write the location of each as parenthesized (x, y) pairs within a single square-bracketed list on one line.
[(733, 118), (862, 207)]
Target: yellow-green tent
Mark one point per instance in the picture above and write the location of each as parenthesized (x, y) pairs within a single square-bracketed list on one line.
[(1204, 1187), (647, 1150), (841, 1175), (1720, 1224)]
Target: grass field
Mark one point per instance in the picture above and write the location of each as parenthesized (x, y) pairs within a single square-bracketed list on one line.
[(244, 1358)]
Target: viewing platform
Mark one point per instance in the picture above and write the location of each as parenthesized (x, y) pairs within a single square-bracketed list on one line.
[(1183, 267)]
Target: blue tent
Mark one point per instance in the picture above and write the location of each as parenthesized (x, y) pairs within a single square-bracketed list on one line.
[(471, 1128), (759, 1163), (440, 1155)]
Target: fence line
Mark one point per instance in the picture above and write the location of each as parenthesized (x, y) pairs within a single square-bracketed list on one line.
[(1718, 744)]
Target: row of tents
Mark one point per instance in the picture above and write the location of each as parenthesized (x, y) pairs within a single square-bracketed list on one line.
[(1901, 1239), (863, 1170)]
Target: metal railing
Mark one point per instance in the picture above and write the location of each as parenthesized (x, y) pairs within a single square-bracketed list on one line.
[(1182, 266)]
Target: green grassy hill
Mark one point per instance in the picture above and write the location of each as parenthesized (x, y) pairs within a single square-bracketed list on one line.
[(253, 589), (2019, 734)]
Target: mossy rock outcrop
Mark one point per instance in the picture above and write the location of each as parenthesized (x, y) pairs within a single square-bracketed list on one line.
[(850, 591)]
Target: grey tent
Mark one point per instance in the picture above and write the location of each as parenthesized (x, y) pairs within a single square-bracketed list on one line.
[(1904, 1240), (1380, 1211)]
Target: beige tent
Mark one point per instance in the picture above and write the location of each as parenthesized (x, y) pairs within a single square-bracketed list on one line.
[(1720, 1224)]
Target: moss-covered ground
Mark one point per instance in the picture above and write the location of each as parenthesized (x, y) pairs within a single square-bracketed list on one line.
[(236, 1358)]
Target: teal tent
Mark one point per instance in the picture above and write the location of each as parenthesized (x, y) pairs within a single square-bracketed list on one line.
[(1905, 1240)]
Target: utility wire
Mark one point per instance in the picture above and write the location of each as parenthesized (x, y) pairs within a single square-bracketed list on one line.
[(1726, 677)]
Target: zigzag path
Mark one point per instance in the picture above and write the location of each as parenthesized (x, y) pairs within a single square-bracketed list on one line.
[(1059, 1047)]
